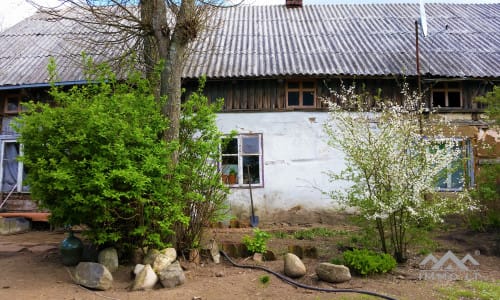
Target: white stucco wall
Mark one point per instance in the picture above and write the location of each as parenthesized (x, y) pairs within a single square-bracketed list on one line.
[(295, 157)]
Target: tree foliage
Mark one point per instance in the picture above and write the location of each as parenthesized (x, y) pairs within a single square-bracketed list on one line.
[(393, 160), (202, 192), (94, 158)]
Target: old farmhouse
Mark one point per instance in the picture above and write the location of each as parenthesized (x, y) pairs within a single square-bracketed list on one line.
[(272, 65)]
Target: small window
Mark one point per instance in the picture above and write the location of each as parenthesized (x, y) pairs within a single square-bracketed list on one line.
[(459, 173), (242, 160), (301, 94), (12, 104), (447, 94)]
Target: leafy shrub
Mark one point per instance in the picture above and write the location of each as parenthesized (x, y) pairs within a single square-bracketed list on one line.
[(366, 262), (257, 244), (95, 158)]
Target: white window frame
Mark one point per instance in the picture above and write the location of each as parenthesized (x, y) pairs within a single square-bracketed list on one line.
[(20, 165), (239, 181)]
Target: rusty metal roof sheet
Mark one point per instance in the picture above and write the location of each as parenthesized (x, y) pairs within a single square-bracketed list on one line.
[(269, 41)]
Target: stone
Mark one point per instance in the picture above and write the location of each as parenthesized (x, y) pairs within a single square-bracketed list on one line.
[(14, 225), (150, 256), (219, 274), (257, 257), (212, 249), (145, 277), (297, 250), (333, 273), (172, 276), (109, 258), (269, 255), (93, 275), (294, 267), (162, 261)]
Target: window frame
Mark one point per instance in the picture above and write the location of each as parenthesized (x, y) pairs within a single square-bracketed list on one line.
[(467, 161), (446, 90), (6, 104), (301, 91), (240, 155), (20, 166)]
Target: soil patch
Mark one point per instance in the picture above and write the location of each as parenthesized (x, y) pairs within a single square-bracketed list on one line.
[(31, 269)]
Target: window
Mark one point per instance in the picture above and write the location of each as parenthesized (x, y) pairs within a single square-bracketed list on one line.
[(447, 94), (301, 94), (460, 172), (12, 104), (12, 172), (242, 160)]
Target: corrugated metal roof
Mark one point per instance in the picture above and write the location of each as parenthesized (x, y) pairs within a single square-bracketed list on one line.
[(270, 41)]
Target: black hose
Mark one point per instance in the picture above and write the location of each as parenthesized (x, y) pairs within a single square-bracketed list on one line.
[(298, 284)]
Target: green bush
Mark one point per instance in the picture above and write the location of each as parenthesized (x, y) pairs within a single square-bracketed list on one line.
[(366, 262), (257, 244), (95, 158)]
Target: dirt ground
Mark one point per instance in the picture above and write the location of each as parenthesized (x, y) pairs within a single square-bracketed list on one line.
[(30, 268)]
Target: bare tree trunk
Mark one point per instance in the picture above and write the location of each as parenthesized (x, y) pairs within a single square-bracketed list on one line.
[(171, 48)]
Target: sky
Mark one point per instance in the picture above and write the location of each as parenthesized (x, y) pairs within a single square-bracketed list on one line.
[(13, 11)]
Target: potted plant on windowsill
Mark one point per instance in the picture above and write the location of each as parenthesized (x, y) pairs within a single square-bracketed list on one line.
[(232, 176)]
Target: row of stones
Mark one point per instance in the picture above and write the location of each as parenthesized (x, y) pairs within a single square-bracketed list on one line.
[(158, 266)]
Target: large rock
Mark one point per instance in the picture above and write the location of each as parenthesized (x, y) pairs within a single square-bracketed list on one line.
[(14, 225), (294, 267), (150, 256), (333, 273), (145, 277), (172, 276), (109, 258), (93, 275), (164, 259)]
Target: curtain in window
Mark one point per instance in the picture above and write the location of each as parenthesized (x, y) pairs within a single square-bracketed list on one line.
[(10, 166)]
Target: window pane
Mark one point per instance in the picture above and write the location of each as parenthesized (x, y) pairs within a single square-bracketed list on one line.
[(251, 165), (230, 169), (457, 179), (308, 98), (454, 99), (438, 99), (293, 85), (12, 104), (308, 85), (230, 147), (250, 144), (293, 98), (10, 166)]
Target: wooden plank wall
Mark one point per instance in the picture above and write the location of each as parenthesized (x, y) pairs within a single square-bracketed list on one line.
[(270, 94)]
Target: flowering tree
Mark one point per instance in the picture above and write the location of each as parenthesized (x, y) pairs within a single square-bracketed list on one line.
[(393, 160)]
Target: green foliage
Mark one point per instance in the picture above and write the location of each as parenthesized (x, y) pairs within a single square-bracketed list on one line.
[(488, 193), (366, 262), (337, 261), (394, 157), (257, 243), (481, 290), (281, 235), (264, 279), (492, 99), (311, 234), (201, 191), (95, 158)]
